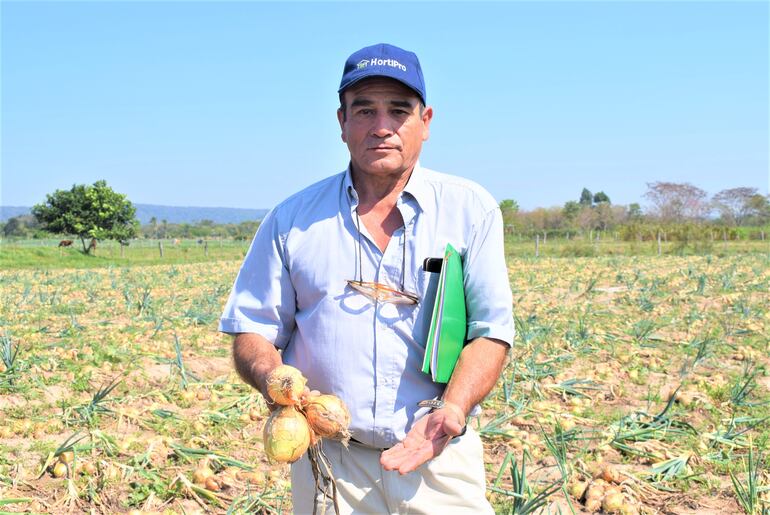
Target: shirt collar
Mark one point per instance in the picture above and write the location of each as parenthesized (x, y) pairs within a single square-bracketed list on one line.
[(416, 186), (349, 190)]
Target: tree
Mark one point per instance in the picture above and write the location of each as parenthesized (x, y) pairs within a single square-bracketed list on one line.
[(88, 212), (586, 198), (735, 205), (154, 227), (634, 212), (570, 212), (509, 208), (605, 217), (676, 202), (20, 226), (759, 209), (600, 197)]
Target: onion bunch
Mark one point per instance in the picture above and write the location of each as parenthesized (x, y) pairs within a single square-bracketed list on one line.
[(292, 428)]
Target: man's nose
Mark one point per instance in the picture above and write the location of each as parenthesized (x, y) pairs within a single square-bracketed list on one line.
[(382, 126)]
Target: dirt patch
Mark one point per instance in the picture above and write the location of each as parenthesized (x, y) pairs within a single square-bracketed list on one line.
[(157, 373), (209, 368), (764, 381), (11, 401), (54, 393)]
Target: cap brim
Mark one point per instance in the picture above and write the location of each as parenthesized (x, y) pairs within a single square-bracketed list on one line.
[(374, 75)]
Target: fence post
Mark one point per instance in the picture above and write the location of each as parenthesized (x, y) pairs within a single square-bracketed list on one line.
[(762, 233), (160, 248), (206, 248), (659, 243), (545, 237), (537, 245)]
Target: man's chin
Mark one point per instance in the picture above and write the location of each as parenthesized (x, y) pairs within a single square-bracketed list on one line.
[(381, 167)]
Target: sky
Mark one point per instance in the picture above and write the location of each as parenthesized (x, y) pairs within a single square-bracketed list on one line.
[(232, 104)]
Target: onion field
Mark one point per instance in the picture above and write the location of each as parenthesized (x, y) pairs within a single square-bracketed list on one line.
[(637, 384)]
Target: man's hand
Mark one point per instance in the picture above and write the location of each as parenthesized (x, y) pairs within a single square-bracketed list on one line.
[(426, 440)]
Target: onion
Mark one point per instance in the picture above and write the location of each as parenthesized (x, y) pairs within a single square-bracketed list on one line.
[(594, 495), (609, 473), (67, 457), (613, 501), (201, 474), (286, 435), (212, 484), (577, 489), (59, 470), (328, 417), (285, 385)]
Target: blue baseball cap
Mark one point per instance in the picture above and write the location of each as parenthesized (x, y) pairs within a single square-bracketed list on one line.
[(384, 60)]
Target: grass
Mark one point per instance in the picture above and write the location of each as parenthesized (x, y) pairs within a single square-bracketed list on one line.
[(46, 255)]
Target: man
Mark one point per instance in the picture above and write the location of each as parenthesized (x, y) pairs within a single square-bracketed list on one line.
[(333, 284)]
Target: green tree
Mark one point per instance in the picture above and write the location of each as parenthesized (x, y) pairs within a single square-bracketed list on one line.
[(89, 212), (22, 226), (600, 197), (759, 209), (509, 208), (634, 212), (154, 227), (586, 198), (570, 212)]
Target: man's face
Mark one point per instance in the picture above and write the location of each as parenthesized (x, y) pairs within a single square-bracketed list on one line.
[(383, 126)]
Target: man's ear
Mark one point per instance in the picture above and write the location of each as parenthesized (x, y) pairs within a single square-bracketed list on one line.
[(427, 116), (341, 120)]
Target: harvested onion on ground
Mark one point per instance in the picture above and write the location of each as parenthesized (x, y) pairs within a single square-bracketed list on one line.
[(286, 435), (285, 385)]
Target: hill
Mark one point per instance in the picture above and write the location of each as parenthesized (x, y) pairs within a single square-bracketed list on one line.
[(172, 214)]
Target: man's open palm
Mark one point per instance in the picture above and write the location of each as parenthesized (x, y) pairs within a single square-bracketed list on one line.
[(426, 440)]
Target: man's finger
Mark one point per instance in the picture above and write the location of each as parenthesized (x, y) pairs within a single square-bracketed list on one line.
[(393, 457), (429, 450)]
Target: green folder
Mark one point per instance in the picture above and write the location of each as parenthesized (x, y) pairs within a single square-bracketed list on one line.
[(448, 326)]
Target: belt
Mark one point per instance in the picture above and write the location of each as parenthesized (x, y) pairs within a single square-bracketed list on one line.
[(362, 444), (383, 449)]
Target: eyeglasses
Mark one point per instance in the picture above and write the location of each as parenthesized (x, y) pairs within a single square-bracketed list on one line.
[(377, 292)]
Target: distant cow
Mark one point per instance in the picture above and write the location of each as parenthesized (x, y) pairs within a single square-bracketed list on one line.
[(65, 243)]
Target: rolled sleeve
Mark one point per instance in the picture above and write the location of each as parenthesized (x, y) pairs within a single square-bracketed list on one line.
[(263, 299), (487, 288)]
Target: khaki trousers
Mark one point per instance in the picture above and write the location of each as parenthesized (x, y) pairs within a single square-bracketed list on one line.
[(452, 483)]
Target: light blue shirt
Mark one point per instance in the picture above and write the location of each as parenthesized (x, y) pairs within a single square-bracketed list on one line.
[(292, 290)]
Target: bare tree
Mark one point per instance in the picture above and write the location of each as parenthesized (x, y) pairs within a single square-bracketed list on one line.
[(676, 202), (735, 204)]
